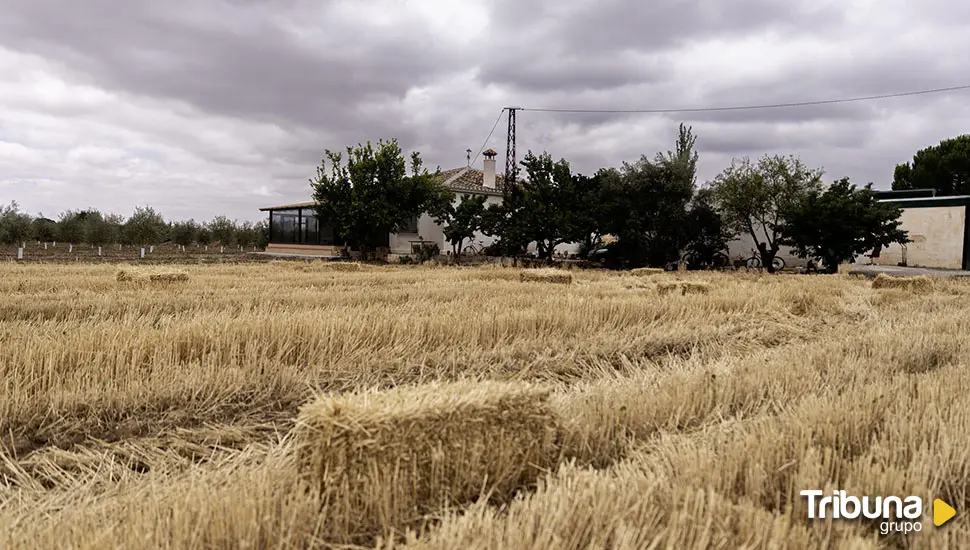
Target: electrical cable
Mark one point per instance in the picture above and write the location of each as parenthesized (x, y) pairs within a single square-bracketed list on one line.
[(750, 107), (494, 126)]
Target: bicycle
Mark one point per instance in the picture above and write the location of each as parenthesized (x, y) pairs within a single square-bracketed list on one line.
[(754, 261), (473, 249), (719, 260)]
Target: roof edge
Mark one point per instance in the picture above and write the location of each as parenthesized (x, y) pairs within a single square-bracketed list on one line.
[(929, 202)]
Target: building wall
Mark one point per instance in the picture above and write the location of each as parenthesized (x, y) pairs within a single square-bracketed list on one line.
[(480, 238), (741, 248), (937, 234), (429, 230)]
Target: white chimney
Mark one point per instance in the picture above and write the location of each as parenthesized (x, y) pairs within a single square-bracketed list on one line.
[(489, 179)]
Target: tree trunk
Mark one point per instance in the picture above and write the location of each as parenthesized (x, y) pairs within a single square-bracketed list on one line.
[(768, 256), (831, 265), (589, 244), (456, 249)]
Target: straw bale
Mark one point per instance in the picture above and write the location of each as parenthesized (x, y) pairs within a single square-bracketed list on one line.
[(646, 271), (683, 287), (320, 265), (169, 277), (383, 460), (335, 266), (546, 276), (921, 283)]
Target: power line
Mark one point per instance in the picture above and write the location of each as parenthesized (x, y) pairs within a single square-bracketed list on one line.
[(494, 126), (750, 107)]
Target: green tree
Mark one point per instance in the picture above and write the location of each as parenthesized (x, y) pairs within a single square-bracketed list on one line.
[(461, 221), (43, 229), (204, 236), (223, 230), (682, 161), (510, 240), (146, 227), (261, 228), (71, 226), (250, 234), (546, 207), (372, 194), (944, 167), (707, 233), (648, 213), (101, 229), (185, 233), (14, 225), (752, 197), (646, 204), (590, 217), (838, 224)]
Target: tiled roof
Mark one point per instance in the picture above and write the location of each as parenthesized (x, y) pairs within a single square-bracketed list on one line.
[(470, 180)]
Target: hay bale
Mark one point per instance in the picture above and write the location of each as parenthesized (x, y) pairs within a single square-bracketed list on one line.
[(132, 278), (320, 265), (329, 266), (646, 271), (683, 287), (138, 278), (339, 266), (921, 283), (546, 276), (169, 277), (380, 461)]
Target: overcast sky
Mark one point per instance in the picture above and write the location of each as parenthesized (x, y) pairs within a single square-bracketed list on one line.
[(223, 106)]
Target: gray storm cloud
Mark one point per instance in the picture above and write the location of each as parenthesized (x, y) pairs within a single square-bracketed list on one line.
[(220, 107)]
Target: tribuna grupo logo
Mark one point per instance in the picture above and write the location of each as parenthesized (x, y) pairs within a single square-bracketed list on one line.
[(899, 515)]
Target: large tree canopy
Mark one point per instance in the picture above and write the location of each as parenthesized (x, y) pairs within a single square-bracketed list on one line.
[(648, 204), (550, 207), (145, 227), (753, 197), (840, 223), (944, 167), (372, 194)]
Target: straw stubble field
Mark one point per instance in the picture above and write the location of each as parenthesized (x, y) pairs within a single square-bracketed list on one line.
[(293, 405)]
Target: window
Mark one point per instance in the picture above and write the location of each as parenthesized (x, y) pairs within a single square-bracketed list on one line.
[(311, 229), (285, 226), (411, 226)]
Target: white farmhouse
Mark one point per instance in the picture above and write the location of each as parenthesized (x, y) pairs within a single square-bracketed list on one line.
[(294, 228)]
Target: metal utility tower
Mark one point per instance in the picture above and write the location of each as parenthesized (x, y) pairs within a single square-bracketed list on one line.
[(511, 170)]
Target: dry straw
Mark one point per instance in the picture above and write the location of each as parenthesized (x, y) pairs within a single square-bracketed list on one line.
[(320, 265), (381, 461), (921, 283), (169, 277), (546, 276), (683, 287), (646, 271), (132, 277)]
